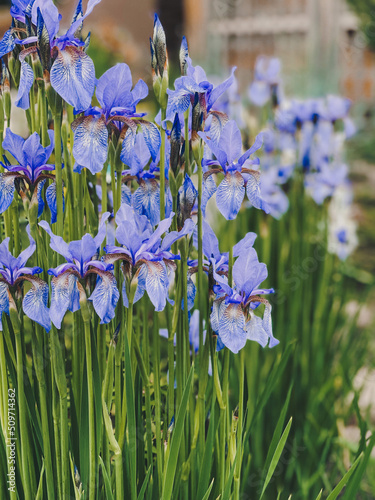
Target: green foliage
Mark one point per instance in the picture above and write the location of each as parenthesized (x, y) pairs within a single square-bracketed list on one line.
[(365, 9)]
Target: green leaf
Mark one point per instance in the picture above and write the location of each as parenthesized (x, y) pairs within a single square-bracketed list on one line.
[(355, 483), (335, 493), (132, 428), (276, 456), (273, 378), (145, 484), (278, 430), (171, 464), (320, 495), (107, 482), (204, 475), (39, 493), (207, 494), (228, 486)]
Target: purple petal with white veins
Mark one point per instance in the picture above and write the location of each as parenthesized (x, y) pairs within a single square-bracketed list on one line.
[(7, 43), (152, 137), (231, 327), (64, 291), (4, 301), (254, 194), (157, 284), (90, 142), (73, 77), (146, 200), (6, 190), (26, 82), (230, 194), (34, 303), (105, 296)]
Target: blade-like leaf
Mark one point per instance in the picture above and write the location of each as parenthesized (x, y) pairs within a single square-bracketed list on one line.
[(276, 457), (171, 464), (335, 493)]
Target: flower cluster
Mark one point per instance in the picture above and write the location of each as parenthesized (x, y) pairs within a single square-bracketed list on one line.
[(143, 156)]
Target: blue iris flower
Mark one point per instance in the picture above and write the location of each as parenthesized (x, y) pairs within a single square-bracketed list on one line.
[(211, 250), (146, 199), (322, 184), (81, 263), (13, 272), (117, 112), (213, 256), (72, 73), (147, 258), (195, 82), (266, 84), (231, 191), (32, 158), (232, 316), (272, 193)]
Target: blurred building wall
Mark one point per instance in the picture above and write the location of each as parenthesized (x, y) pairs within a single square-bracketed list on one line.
[(318, 42)]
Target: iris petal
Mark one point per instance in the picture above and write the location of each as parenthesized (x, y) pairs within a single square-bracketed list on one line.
[(152, 137), (146, 200), (14, 144), (4, 301), (64, 288), (90, 142), (230, 194), (105, 296), (34, 303), (73, 77), (209, 189), (52, 201), (254, 194), (157, 284), (231, 327), (40, 197), (7, 43), (248, 272), (26, 82), (6, 190), (231, 141)]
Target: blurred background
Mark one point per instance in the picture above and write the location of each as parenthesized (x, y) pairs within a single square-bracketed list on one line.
[(325, 47)]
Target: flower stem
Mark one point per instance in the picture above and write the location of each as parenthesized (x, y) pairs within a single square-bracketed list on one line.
[(237, 473), (90, 390), (57, 121), (22, 410), (38, 355), (60, 379), (156, 352), (162, 166)]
